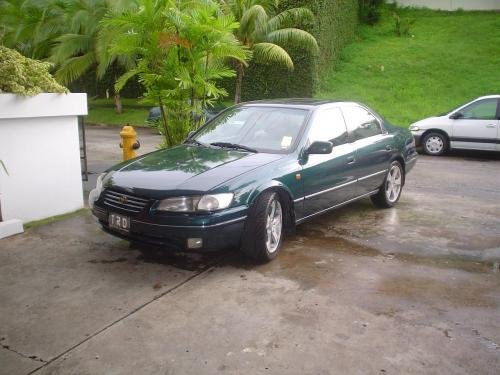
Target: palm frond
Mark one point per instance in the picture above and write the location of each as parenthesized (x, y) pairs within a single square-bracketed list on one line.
[(290, 18), (124, 78), (292, 36), (74, 68), (253, 19), (269, 53)]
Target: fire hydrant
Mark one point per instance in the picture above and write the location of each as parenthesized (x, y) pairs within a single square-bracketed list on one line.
[(129, 142)]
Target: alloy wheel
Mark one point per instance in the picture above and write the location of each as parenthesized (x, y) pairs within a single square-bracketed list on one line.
[(393, 184), (274, 225)]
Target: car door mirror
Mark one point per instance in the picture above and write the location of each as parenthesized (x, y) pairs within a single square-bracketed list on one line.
[(457, 115), (320, 147)]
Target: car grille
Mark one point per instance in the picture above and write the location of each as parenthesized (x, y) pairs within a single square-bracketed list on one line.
[(126, 202)]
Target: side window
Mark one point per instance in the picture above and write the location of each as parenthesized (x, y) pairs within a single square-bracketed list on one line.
[(361, 123), (328, 125), (481, 110)]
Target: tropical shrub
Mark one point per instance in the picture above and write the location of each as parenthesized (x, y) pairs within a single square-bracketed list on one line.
[(402, 26), (370, 11), (180, 50), (24, 76)]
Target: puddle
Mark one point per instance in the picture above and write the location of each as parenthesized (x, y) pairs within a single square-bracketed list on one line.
[(182, 260)]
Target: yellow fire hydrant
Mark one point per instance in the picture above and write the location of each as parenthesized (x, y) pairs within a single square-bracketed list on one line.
[(129, 142)]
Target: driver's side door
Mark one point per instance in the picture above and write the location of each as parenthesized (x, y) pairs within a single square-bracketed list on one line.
[(476, 126), (327, 179)]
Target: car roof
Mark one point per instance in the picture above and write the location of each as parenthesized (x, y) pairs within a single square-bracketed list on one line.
[(303, 103), (496, 96)]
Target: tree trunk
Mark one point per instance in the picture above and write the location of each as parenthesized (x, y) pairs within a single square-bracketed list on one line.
[(165, 124), (118, 104), (239, 80)]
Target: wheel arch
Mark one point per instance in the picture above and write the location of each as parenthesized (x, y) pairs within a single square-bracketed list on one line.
[(286, 199)]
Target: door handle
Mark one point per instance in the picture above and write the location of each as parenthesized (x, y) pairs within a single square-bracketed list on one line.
[(388, 148), (491, 126), (351, 159)]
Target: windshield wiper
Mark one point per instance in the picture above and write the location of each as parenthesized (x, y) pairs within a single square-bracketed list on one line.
[(234, 145), (194, 142)]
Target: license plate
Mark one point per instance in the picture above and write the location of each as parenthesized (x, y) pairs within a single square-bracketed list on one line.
[(119, 222)]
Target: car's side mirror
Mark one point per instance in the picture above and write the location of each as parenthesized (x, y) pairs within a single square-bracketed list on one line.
[(457, 115), (320, 147)]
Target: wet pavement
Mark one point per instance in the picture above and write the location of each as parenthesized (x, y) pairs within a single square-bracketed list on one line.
[(358, 290)]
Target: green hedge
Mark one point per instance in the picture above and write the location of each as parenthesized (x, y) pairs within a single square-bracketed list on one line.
[(336, 24)]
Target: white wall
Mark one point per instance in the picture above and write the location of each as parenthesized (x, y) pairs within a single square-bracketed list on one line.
[(453, 4), (39, 145)]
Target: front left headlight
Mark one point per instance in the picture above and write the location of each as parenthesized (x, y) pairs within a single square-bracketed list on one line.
[(209, 202), (96, 192), (414, 128)]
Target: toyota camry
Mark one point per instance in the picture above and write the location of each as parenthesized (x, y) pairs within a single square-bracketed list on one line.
[(252, 173)]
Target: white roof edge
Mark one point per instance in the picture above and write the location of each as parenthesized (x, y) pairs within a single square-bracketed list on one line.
[(43, 105)]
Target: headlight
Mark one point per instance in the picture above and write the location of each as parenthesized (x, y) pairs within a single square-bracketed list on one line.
[(414, 128), (95, 193), (210, 202)]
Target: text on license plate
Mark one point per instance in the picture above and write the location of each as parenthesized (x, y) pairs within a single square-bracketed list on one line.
[(119, 222)]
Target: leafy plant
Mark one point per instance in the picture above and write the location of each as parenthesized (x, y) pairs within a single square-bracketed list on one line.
[(25, 76), (179, 49), (266, 33), (369, 11), (402, 26)]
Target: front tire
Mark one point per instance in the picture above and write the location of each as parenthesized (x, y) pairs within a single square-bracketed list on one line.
[(435, 144), (263, 233), (391, 189)]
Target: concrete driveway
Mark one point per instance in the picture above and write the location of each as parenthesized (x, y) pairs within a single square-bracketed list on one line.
[(359, 290)]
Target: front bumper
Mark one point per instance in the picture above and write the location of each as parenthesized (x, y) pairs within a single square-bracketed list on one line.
[(417, 136), (216, 233)]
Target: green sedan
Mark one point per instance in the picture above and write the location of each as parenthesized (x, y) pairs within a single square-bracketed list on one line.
[(252, 173)]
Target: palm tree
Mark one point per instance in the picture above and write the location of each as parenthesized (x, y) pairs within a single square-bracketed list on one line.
[(31, 26), (179, 48), (266, 33), (79, 49)]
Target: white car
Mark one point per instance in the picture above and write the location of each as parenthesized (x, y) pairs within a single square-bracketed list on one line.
[(473, 126)]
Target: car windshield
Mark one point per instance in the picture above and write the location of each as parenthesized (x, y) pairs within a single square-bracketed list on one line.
[(264, 129)]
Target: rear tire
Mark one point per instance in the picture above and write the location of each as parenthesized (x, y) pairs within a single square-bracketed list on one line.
[(435, 144), (390, 191), (263, 233)]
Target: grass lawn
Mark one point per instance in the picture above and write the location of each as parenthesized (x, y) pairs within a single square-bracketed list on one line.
[(101, 111), (450, 58)]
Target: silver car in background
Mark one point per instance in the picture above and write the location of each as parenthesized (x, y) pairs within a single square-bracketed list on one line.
[(473, 126)]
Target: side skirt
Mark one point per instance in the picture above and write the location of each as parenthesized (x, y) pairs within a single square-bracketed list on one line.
[(336, 206)]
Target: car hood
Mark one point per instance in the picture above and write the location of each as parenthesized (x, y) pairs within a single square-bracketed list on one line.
[(429, 121), (183, 169)]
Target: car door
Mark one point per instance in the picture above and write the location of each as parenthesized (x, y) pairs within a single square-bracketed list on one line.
[(373, 147), (476, 125), (327, 179)]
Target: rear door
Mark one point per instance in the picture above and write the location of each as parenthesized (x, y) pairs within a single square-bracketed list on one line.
[(373, 147), (476, 126), (327, 179)]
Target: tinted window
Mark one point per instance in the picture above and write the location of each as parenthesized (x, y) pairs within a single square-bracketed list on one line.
[(265, 129), (481, 110), (328, 125), (361, 123)]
